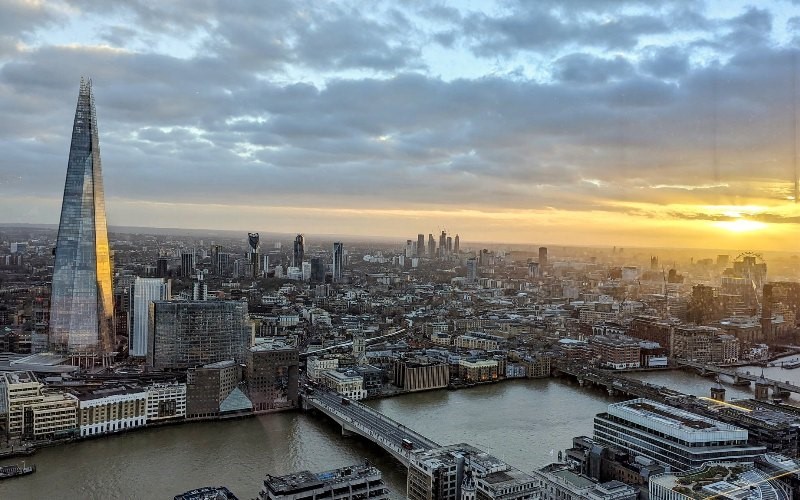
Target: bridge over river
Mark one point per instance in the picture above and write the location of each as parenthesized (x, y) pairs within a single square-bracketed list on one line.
[(738, 377), (356, 418)]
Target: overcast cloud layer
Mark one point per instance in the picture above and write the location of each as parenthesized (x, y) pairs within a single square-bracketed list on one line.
[(266, 114)]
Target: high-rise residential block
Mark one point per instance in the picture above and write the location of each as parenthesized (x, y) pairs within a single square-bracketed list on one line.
[(145, 291), (298, 251)]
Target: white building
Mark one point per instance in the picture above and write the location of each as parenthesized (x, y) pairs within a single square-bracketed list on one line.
[(145, 291), (671, 437), (166, 402), (32, 413), (316, 366), (103, 411), (558, 482), (347, 383)]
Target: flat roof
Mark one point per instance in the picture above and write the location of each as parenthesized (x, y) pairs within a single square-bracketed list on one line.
[(653, 411), (19, 377), (576, 480)]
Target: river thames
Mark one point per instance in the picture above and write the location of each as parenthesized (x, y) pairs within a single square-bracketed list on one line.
[(524, 422)]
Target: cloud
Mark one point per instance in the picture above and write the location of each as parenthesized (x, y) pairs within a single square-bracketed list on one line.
[(314, 105)]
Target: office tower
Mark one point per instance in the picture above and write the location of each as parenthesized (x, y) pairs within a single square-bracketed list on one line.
[(162, 267), (457, 245), (449, 245), (472, 270), (145, 291), (670, 436), (252, 240), (317, 270), (224, 264), (542, 257), (81, 315), (299, 251), (215, 249), (442, 244), (420, 245), (409, 250), (338, 261), (199, 289), (187, 264), (533, 269), (271, 375), (185, 334), (431, 246)]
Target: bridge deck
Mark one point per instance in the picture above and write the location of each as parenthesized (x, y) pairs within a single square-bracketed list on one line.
[(370, 423)]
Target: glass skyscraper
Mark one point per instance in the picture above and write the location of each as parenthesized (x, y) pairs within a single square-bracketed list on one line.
[(82, 308)]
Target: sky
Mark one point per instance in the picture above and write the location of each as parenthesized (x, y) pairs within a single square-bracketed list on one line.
[(573, 122)]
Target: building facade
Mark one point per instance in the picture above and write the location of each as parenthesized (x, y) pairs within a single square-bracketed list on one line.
[(208, 386), (166, 402), (673, 437), (271, 375), (82, 306), (145, 291), (113, 409), (185, 334)]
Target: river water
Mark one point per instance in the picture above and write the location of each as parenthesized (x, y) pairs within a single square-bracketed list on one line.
[(524, 422)]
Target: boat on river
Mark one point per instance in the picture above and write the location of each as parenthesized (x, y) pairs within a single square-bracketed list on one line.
[(9, 471)]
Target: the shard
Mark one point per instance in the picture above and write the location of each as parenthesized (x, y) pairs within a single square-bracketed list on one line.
[(82, 308)]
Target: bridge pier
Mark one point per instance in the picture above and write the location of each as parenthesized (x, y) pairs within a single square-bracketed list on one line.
[(581, 382), (612, 391)]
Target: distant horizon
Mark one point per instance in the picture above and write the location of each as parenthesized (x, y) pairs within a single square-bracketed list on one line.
[(398, 240), (585, 124)]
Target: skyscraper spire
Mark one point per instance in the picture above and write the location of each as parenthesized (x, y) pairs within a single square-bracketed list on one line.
[(81, 315)]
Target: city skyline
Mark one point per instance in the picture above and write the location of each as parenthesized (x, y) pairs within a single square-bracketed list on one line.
[(611, 123)]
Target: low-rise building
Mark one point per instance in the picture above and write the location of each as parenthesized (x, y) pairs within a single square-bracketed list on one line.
[(357, 481), (348, 383), (166, 402), (670, 436), (482, 342), (315, 366), (55, 416), (208, 386), (111, 409), (558, 482), (480, 370), (446, 472), (731, 481), (420, 374), (616, 352)]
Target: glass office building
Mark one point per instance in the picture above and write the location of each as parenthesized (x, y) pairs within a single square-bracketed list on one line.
[(81, 313)]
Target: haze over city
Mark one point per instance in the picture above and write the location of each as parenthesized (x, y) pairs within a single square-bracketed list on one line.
[(611, 123)]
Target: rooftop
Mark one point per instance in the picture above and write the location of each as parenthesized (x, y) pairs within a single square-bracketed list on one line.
[(667, 415), (305, 480), (19, 377), (207, 493)]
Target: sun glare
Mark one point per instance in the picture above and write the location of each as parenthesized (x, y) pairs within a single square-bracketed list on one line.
[(740, 225)]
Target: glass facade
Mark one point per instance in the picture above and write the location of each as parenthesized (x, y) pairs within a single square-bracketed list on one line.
[(81, 314), (185, 334)]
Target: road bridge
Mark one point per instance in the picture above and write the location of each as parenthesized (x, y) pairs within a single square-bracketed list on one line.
[(738, 377), (614, 383), (356, 418)]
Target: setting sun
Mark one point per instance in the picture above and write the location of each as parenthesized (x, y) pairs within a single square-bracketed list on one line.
[(741, 225)]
